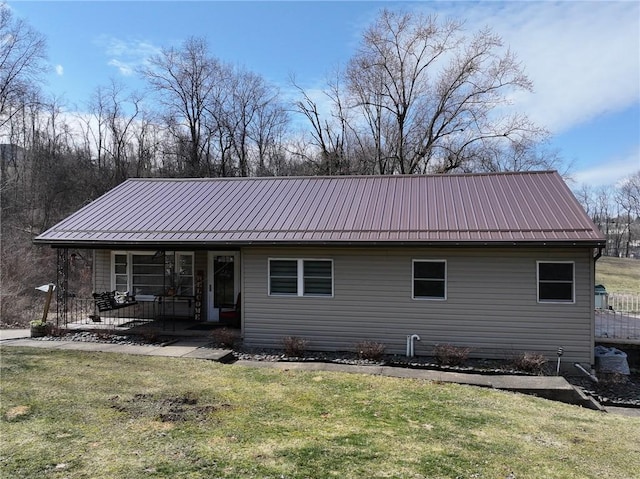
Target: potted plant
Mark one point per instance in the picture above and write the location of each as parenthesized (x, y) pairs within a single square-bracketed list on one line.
[(39, 328)]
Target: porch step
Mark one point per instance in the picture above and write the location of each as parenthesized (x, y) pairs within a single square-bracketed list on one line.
[(219, 355)]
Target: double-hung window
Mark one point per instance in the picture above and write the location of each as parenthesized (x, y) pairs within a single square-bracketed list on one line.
[(145, 274), (429, 279), (556, 283), (300, 277)]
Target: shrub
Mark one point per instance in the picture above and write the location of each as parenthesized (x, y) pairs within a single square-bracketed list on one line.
[(294, 346), (450, 355), (612, 379), (15, 311), (530, 362), (370, 350), (225, 337)]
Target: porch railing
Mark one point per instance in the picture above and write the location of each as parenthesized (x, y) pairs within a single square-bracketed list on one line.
[(82, 311)]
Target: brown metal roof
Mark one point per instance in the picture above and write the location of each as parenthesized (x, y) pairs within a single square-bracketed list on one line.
[(530, 207)]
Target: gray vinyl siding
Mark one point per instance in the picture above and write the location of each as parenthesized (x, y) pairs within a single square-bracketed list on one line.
[(102, 271), (491, 303)]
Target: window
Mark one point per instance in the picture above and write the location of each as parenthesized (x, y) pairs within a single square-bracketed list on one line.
[(145, 273), (555, 282), (283, 277), (429, 279), (184, 274), (121, 272), (301, 277)]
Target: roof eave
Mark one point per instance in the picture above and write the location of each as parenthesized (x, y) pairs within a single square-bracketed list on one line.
[(88, 244)]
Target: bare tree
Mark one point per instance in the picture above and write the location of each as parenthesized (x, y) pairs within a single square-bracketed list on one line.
[(616, 212), (95, 128), (147, 140), (629, 194), (253, 116), (22, 62), (267, 132), (328, 135), (185, 80), (628, 198), (121, 125), (421, 97), (528, 154)]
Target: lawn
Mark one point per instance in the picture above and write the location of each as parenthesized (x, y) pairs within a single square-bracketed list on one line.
[(100, 415), (619, 275)]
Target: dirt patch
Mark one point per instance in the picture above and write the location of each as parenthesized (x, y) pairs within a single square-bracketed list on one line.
[(174, 408), (17, 412)]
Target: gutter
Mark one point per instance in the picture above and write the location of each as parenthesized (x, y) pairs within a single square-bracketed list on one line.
[(323, 243)]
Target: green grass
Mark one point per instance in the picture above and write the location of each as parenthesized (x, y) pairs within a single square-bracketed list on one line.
[(99, 415), (619, 275)]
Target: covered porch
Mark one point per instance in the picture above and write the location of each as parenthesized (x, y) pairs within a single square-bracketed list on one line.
[(186, 292)]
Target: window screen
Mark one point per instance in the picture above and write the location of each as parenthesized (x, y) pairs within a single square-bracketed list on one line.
[(555, 282), (429, 279), (283, 277)]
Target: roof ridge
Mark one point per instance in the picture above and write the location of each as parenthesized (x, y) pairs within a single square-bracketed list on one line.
[(342, 177)]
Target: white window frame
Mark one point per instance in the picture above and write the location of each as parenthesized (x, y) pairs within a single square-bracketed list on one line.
[(573, 283), (177, 254), (445, 279), (129, 273), (300, 279)]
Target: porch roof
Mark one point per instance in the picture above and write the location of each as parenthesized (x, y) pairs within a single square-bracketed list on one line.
[(504, 208)]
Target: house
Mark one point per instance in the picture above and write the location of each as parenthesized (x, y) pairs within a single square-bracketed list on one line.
[(501, 263)]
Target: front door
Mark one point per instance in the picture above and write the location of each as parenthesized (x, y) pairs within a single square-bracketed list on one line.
[(223, 281)]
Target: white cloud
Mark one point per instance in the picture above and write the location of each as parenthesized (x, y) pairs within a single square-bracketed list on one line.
[(583, 57), (125, 69), (126, 55), (59, 70), (611, 171)]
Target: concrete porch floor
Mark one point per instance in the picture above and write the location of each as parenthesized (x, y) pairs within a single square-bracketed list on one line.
[(163, 327)]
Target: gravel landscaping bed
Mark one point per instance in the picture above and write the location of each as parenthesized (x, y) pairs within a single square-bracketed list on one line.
[(484, 366), (613, 390), (108, 338)]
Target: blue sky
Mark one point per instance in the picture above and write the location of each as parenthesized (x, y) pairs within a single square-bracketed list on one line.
[(583, 57)]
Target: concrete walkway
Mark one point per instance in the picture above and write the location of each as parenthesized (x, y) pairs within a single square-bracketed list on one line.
[(14, 334), (181, 348), (549, 387)]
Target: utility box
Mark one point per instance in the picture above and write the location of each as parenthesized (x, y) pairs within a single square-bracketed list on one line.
[(602, 297)]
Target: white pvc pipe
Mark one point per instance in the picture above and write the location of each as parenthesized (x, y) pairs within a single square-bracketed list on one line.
[(591, 376), (411, 345)]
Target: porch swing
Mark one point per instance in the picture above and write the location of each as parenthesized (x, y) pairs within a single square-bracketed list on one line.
[(112, 300)]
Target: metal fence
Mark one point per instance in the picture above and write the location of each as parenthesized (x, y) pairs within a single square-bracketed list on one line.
[(621, 321), (624, 302)]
